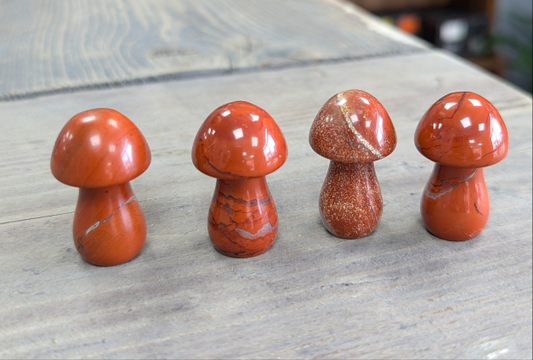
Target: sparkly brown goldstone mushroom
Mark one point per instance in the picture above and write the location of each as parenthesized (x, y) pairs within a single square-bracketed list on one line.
[(353, 130)]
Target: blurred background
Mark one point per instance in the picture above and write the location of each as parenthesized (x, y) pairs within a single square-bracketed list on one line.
[(494, 34)]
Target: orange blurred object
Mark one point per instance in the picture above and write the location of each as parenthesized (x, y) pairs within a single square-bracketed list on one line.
[(410, 23)]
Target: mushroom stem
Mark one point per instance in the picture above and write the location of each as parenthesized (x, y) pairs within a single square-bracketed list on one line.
[(242, 220), (109, 225), (350, 201), (455, 202)]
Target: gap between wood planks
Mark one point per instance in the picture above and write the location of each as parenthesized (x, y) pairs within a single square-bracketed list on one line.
[(198, 74)]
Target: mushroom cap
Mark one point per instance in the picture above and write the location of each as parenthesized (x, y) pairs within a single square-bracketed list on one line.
[(352, 127), (239, 140), (98, 148), (462, 129)]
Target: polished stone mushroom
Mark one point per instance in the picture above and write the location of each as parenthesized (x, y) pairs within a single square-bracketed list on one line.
[(239, 144), (353, 130), (462, 133), (100, 151)]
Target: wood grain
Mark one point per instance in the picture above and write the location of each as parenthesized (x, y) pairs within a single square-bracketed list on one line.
[(397, 293), (53, 46)]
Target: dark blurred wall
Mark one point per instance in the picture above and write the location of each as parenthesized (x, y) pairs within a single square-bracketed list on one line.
[(512, 33)]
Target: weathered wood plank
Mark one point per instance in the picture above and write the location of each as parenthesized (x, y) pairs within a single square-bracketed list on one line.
[(50, 46), (399, 292)]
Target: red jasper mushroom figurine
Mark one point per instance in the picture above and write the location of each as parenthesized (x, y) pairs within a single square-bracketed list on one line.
[(240, 143), (462, 133), (353, 130), (100, 151)]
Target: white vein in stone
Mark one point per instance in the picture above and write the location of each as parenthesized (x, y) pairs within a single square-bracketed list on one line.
[(361, 139), (452, 188), (92, 227), (265, 229)]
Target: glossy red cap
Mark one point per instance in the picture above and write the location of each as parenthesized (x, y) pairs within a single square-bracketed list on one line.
[(462, 129), (239, 140), (97, 148), (353, 127)]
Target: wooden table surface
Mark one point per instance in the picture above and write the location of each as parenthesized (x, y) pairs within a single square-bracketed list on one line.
[(399, 293)]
